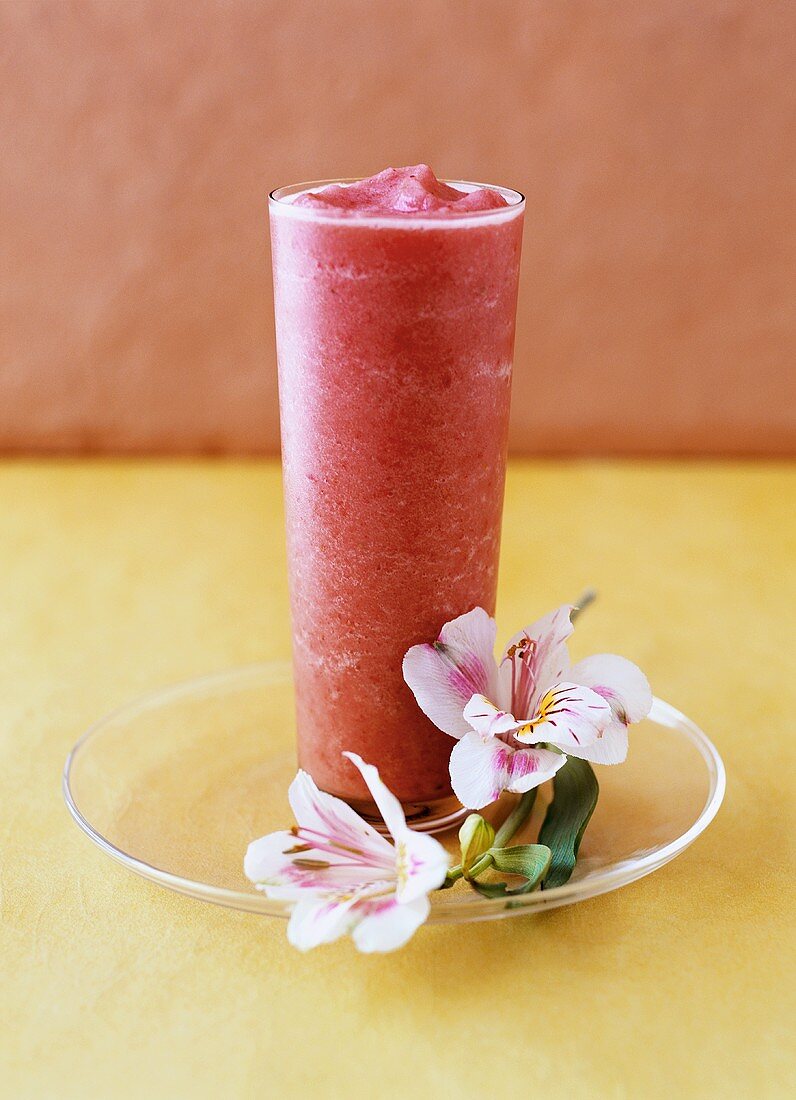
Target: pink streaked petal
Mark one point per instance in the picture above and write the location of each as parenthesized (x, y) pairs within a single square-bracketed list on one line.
[(276, 868), (325, 888), (329, 816), (387, 925), (421, 866), (420, 861), (482, 769), (487, 719), (445, 674), (619, 681), (476, 770), (610, 748), (553, 628), (321, 921), (528, 768), (549, 659), (266, 859), (388, 805), (569, 715)]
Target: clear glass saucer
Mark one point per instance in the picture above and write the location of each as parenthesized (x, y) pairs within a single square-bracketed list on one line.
[(175, 785)]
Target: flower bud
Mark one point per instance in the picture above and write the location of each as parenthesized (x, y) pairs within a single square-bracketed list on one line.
[(476, 836)]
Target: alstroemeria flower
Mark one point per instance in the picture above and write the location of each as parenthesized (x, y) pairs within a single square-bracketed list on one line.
[(533, 697), (342, 875)]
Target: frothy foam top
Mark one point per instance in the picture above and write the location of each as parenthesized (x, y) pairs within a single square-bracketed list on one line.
[(411, 190)]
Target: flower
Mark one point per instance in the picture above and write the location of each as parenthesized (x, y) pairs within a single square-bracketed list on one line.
[(476, 837), (342, 875), (534, 697)]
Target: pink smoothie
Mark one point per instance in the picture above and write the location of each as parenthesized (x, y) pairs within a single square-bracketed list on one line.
[(395, 305)]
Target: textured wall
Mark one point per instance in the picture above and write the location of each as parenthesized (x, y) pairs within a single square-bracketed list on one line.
[(139, 141)]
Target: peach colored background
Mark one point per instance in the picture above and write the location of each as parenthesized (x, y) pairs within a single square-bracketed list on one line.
[(653, 139)]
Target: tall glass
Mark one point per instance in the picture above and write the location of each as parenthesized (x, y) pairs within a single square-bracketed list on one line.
[(395, 337)]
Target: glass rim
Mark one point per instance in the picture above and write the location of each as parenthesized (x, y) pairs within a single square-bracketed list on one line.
[(277, 200)]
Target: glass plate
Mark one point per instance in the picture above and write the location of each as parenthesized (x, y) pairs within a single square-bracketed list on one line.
[(176, 784)]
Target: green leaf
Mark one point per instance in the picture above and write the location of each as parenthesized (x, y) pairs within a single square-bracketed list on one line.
[(531, 861), (575, 792), (497, 889)]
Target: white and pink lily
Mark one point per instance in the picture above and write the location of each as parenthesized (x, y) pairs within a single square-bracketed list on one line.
[(534, 697), (342, 875)]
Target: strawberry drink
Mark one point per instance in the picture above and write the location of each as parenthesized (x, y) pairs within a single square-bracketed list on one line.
[(395, 305)]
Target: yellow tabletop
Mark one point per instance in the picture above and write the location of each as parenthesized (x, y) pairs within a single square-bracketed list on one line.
[(118, 577)]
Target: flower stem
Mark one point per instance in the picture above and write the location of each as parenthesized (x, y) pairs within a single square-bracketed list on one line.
[(516, 819), (513, 823), (586, 598)]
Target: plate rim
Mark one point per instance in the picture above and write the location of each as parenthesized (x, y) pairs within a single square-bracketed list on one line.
[(442, 910)]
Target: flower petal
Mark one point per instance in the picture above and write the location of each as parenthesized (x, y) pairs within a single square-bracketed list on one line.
[(324, 814), (530, 768), (609, 748), (266, 859), (550, 635), (619, 681), (476, 770), (388, 805), (627, 691), (388, 925), (481, 769), (447, 673), (420, 861), (487, 719), (422, 865), (570, 716), (316, 922), (283, 866)]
